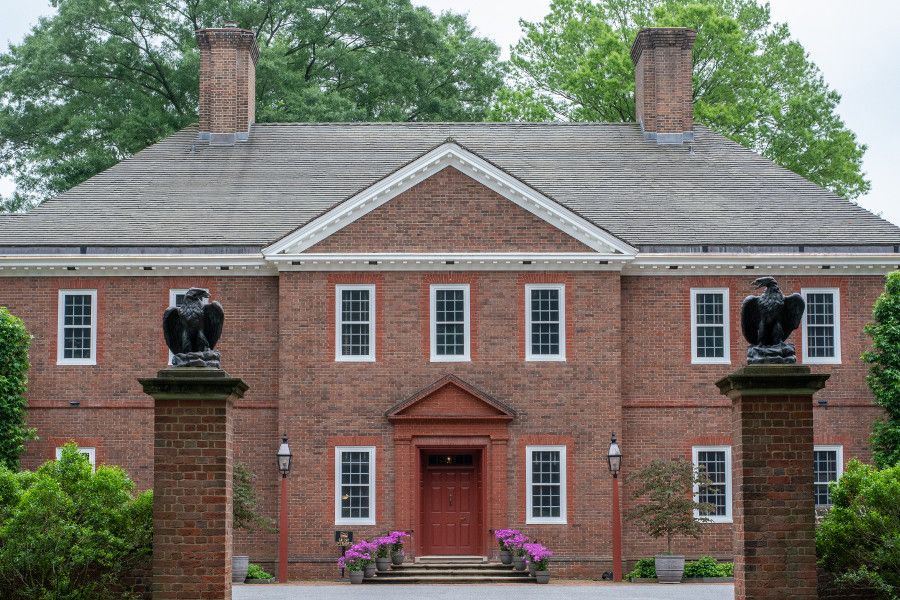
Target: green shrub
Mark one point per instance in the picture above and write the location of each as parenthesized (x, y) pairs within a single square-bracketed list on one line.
[(858, 541), (255, 571), (244, 507), (884, 372), (707, 566), (68, 533), (14, 342), (645, 568)]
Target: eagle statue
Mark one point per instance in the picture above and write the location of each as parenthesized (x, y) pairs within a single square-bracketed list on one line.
[(767, 321), (192, 330)]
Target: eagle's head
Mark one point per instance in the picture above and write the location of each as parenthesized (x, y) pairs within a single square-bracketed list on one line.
[(766, 282), (195, 295)]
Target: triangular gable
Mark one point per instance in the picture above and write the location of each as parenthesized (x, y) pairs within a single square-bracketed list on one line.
[(453, 155), (450, 398)]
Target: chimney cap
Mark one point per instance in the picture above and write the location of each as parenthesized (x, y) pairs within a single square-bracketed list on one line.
[(661, 37), (230, 24)]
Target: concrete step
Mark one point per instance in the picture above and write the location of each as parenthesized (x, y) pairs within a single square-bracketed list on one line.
[(453, 572), (384, 579), (452, 559), (413, 566)]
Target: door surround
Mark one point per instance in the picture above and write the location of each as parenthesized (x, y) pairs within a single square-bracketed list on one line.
[(450, 415)]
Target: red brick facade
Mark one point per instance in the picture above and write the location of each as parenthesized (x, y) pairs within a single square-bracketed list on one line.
[(627, 369)]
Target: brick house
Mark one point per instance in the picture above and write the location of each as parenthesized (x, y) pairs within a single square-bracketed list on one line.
[(447, 319)]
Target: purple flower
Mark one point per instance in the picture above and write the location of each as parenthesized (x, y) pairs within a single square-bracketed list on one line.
[(538, 554)]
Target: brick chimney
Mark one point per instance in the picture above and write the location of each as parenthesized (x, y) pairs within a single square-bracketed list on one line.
[(662, 91), (228, 58)]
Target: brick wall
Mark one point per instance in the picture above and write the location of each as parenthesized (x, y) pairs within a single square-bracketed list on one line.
[(449, 212)]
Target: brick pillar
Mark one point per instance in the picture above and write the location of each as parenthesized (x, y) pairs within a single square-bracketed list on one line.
[(192, 470), (774, 509)]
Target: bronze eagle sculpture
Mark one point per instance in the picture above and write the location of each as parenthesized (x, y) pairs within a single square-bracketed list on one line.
[(192, 330), (767, 321)]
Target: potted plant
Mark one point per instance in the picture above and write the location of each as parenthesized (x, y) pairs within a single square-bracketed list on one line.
[(502, 535), (668, 509), (356, 560), (516, 544), (397, 554), (370, 549), (382, 553), (538, 560), (244, 516)]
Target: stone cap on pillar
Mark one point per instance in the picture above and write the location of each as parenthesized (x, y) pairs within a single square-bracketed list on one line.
[(193, 383), (772, 380)]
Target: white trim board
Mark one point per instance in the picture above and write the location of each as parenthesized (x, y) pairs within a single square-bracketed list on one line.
[(450, 155)]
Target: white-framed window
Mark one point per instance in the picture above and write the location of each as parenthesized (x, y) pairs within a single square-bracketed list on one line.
[(545, 322), (710, 337), (450, 322), (822, 326), (546, 484), (828, 465), (77, 328), (176, 298), (354, 485), (91, 454), (354, 321), (715, 463)]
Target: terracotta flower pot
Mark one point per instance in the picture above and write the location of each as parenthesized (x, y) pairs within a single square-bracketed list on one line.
[(542, 576), (239, 566), (519, 563), (356, 576), (397, 557), (370, 570), (669, 568), (383, 563), (506, 557)]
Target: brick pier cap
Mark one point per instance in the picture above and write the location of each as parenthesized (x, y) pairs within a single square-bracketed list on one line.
[(772, 458), (192, 476)]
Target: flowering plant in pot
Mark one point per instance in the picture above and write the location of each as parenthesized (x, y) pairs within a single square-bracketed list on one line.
[(539, 558), (356, 560), (502, 536), (397, 553), (384, 546), (669, 509), (516, 544), (370, 548)]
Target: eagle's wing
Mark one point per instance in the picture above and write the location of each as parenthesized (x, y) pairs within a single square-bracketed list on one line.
[(213, 317), (750, 319), (794, 305), (172, 326)]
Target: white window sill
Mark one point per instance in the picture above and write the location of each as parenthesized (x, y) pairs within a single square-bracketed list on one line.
[(536, 521), (76, 363), (548, 358), (355, 522), (355, 359), (451, 358), (710, 361), (716, 520)]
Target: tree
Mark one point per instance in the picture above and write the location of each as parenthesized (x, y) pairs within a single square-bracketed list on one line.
[(669, 507), (884, 372), (102, 79), (858, 539), (69, 532), (244, 508), (14, 343), (751, 81)]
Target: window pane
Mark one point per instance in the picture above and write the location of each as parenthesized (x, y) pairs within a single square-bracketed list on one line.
[(824, 472), (710, 324), (450, 318), (712, 463), (355, 484), (355, 322), (77, 321), (545, 483), (545, 322), (820, 325)]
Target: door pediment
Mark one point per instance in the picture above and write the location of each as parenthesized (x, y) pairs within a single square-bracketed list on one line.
[(450, 398)]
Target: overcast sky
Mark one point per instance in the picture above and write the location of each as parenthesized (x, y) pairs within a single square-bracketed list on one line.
[(855, 44)]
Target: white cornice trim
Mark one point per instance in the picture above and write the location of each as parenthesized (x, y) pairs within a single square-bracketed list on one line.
[(83, 265), (450, 155), (444, 261), (727, 264)]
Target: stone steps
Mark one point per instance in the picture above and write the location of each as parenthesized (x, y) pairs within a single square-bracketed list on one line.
[(451, 569)]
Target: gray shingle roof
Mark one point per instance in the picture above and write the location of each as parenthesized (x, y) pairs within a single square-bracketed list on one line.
[(183, 193)]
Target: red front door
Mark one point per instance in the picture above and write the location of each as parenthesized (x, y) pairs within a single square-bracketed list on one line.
[(450, 511)]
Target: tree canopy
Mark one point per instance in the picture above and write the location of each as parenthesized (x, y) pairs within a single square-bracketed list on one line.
[(102, 79), (751, 81), (884, 372)]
